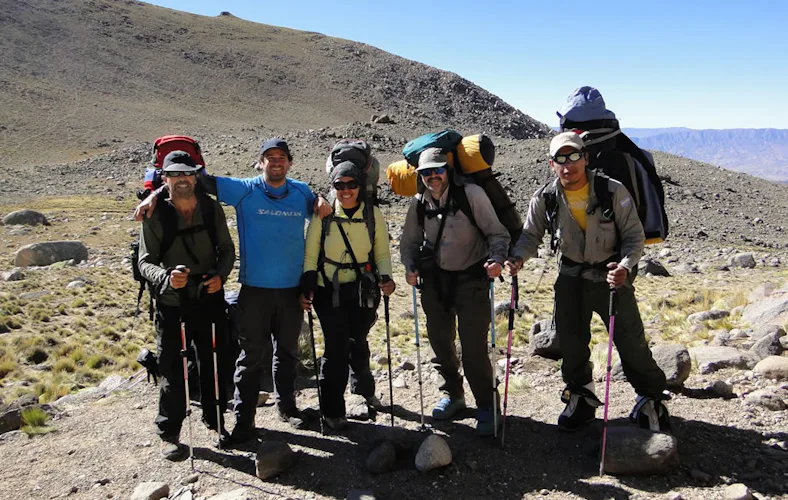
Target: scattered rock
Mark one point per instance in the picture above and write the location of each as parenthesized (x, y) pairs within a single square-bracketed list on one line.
[(75, 284), (111, 383), (767, 346), (236, 494), (407, 365), (652, 267), (384, 119), (674, 360), (49, 252), (11, 415), (743, 260), (400, 382), (769, 398), (273, 458), (543, 339), (357, 407), (14, 275), (151, 491), (764, 330), (722, 388), (738, 491), (762, 291), (635, 451), (686, 268), (771, 310), (702, 316), (710, 359), (774, 367), (360, 495), (382, 458), (433, 454), (25, 218)]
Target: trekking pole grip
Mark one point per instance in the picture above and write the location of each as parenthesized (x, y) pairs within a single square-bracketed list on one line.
[(613, 302)]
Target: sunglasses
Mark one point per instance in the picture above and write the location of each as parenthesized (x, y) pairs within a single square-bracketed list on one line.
[(178, 174), (427, 172), (573, 157), (341, 186)]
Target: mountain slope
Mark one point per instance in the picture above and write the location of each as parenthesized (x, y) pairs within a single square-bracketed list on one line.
[(76, 75), (759, 152)]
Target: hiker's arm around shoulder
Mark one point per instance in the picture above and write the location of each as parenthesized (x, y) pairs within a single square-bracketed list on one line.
[(225, 245), (630, 230), (410, 241), (534, 228), (148, 205), (498, 237)]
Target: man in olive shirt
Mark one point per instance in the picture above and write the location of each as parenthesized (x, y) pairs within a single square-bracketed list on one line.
[(189, 230)]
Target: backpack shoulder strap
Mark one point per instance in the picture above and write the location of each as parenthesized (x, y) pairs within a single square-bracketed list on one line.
[(169, 224), (207, 208), (461, 202), (369, 220), (603, 195), (550, 196)]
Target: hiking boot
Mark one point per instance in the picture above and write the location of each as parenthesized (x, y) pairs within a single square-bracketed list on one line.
[(224, 440), (485, 422), (336, 423), (448, 407), (581, 405), (293, 417), (241, 434), (374, 403), (651, 414), (172, 449)]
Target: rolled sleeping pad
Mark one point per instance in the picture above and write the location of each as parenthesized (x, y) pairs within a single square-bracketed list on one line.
[(475, 153), (403, 178)]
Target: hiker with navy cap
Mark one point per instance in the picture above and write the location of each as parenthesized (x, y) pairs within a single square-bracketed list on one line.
[(599, 250), (186, 254), (271, 210)]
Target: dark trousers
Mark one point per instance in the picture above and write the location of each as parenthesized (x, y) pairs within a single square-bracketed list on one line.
[(575, 301), (345, 330), (266, 315), (198, 318), (468, 314)]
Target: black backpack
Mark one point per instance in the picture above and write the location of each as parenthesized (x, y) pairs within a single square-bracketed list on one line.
[(169, 221)]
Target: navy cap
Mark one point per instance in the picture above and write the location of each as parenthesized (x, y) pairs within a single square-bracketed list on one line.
[(179, 161), (275, 143)]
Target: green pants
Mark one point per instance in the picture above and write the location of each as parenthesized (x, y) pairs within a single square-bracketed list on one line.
[(575, 300), (469, 314)]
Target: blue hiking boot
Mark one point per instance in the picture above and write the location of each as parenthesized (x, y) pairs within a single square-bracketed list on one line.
[(448, 407), (485, 422)]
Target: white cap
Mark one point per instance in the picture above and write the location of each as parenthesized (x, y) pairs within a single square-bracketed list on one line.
[(570, 139)]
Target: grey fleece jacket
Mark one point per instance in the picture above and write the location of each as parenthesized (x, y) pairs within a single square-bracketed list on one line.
[(461, 244), (598, 243)]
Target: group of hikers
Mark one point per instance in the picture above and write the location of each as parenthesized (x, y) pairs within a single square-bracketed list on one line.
[(453, 246)]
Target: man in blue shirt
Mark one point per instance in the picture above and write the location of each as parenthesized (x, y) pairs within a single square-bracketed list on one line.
[(271, 211)]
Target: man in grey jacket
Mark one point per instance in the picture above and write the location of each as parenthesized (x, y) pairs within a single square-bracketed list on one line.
[(453, 242), (599, 251)]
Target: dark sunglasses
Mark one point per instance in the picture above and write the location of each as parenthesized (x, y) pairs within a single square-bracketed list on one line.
[(341, 186), (427, 172), (178, 174), (573, 157)]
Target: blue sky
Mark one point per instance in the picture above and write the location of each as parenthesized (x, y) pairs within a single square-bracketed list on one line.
[(691, 63)]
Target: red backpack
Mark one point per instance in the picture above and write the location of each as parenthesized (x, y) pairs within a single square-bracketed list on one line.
[(161, 148)]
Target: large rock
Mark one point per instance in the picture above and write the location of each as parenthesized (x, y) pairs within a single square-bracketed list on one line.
[(273, 458), (357, 408), (760, 332), (14, 275), (710, 359), (768, 346), (772, 398), (151, 491), (382, 458), (11, 414), (543, 339), (738, 491), (49, 252), (700, 317), (774, 367), (675, 361), (652, 267), (770, 310), (433, 454), (25, 218), (635, 451), (744, 260), (763, 290)]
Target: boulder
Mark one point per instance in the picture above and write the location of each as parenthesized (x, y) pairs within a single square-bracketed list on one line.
[(357, 408), (433, 453), (710, 359), (768, 345), (14, 275), (652, 267), (11, 414), (700, 317), (773, 367), (151, 491), (762, 291), (25, 218), (764, 330), (543, 339), (49, 252), (635, 451), (675, 361), (770, 310), (738, 491), (771, 398), (686, 268), (382, 458), (273, 458), (743, 260)]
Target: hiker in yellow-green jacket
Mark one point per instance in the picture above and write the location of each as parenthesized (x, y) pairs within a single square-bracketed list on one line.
[(347, 265)]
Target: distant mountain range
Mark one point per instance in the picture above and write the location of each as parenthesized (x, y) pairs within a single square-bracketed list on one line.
[(760, 152)]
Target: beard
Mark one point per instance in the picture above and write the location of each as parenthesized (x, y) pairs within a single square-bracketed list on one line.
[(182, 190)]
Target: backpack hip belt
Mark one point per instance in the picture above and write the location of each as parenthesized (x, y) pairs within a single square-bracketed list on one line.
[(584, 266)]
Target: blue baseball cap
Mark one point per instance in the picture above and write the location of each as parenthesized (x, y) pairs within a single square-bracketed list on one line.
[(275, 143)]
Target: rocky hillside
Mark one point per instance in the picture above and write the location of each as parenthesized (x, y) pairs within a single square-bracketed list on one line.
[(80, 76)]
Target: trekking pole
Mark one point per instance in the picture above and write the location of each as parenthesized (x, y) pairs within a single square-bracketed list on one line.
[(388, 353), (184, 355), (219, 424), (492, 358), (418, 357), (612, 314), (512, 309), (317, 371)]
